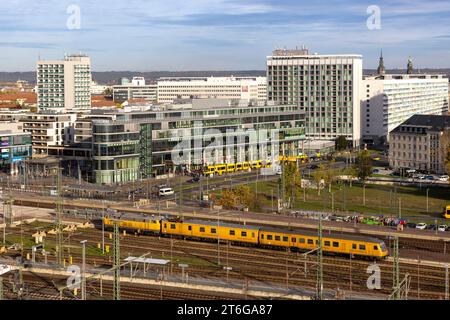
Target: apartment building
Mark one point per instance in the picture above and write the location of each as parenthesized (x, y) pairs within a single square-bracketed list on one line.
[(389, 100), (242, 88), (64, 85), (420, 143), (49, 131), (325, 87)]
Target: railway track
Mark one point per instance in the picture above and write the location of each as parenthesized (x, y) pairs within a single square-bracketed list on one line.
[(271, 266)]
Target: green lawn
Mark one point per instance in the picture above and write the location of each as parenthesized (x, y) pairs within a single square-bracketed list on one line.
[(384, 200)]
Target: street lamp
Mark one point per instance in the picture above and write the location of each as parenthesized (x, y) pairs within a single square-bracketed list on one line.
[(83, 272)]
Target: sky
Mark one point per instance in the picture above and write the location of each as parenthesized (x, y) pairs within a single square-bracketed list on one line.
[(186, 35)]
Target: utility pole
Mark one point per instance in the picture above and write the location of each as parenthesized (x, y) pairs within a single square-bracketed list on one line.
[(1, 288), (116, 262), (103, 232), (399, 207), (83, 272), (58, 222), (396, 271), (428, 190), (446, 282), (319, 283), (364, 194)]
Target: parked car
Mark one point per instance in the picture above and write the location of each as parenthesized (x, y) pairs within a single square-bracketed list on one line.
[(166, 192), (411, 225), (431, 227), (429, 177), (375, 171), (194, 179), (443, 227), (443, 178), (421, 226), (313, 167)]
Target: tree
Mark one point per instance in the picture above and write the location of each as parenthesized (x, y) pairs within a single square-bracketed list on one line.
[(351, 173), (341, 143), (290, 180), (244, 196), (318, 175), (108, 92), (239, 196), (364, 165), (227, 199)]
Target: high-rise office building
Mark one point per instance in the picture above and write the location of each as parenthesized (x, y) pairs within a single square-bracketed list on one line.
[(64, 85), (325, 87)]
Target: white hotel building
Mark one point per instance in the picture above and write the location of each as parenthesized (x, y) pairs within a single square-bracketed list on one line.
[(389, 100), (64, 85), (241, 88), (325, 87)]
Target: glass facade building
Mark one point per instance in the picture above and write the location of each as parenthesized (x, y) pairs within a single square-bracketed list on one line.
[(15, 148), (141, 144)]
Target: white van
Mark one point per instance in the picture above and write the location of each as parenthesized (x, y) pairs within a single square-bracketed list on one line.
[(163, 192)]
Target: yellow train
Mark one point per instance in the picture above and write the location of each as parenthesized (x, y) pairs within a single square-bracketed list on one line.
[(142, 226), (220, 169), (302, 158), (447, 212), (274, 238)]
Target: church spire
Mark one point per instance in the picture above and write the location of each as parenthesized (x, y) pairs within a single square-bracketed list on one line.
[(410, 67), (381, 70)]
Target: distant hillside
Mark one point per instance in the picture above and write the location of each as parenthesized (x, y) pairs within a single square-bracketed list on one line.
[(111, 77)]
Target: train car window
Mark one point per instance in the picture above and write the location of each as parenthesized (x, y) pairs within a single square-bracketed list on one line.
[(277, 238), (285, 239), (327, 243), (172, 226), (310, 241), (165, 225), (202, 229), (335, 244), (362, 247), (294, 240), (213, 230), (244, 233), (354, 246), (262, 236), (190, 228), (317, 242), (269, 237), (232, 233), (375, 248), (253, 234), (302, 240)]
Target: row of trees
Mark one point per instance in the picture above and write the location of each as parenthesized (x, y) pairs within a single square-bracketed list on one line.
[(327, 174), (290, 183)]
